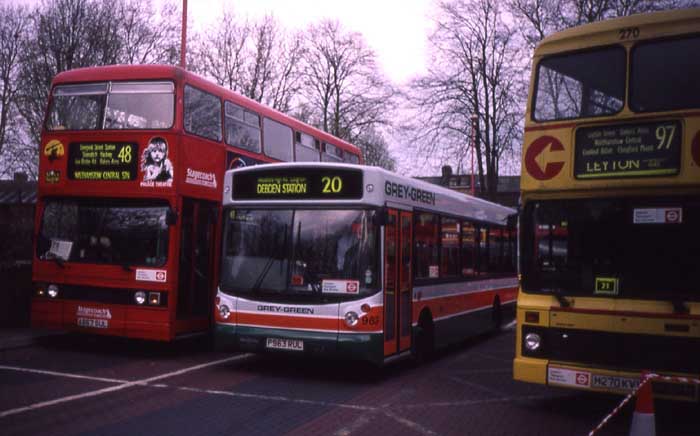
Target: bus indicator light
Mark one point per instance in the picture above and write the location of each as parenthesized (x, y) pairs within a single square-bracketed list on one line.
[(695, 149)]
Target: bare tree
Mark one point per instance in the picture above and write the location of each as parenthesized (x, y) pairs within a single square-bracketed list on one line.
[(220, 53), (13, 21), (147, 36), (471, 93), (375, 149), (342, 83), (539, 18)]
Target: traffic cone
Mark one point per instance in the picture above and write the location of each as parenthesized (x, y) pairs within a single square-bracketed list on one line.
[(643, 421)]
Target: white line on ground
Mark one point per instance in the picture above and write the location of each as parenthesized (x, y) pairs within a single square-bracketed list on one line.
[(276, 398), (479, 402), (477, 386), (408, 423), (354, 426), (122, 386), (509, 326), (62, 374)]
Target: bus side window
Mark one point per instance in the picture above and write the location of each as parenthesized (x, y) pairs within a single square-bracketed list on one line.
[(483, 259), (202, 113), (277, 140), (425, 253), (469, 246), (331, 153), (305, 149), (449, 247), (242, 127)]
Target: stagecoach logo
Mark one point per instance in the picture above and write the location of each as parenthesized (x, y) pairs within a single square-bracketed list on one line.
[(54, 149), (404, 191), (200, 178), (539, 161), (94, 312)]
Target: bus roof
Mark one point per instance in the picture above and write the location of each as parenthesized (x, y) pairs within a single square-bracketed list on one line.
[(387, 189), (155, 72), (663, 23)]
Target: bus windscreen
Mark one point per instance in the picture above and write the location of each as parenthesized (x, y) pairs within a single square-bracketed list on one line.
[(310, 255)]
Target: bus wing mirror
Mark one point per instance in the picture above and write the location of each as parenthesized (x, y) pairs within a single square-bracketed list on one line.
[(171, 217)]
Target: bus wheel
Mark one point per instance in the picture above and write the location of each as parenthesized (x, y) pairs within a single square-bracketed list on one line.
[(496, 315), (425, 339)]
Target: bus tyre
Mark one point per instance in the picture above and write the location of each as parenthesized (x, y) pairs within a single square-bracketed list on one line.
[(425, 340), (496, 315)]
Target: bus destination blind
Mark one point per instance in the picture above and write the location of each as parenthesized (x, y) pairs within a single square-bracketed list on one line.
[(628, 150), (298, 184), (102, 161)]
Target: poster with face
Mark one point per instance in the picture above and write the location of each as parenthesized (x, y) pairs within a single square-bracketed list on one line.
[(155, 164)]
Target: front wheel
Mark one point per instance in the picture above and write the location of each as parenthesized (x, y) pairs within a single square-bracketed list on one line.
[(424, 344)]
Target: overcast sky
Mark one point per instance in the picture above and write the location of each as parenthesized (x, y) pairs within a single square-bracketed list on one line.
[(396, 30)]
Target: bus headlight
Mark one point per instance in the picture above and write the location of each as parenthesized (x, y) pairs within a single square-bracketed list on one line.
[(224, 311), (351, 319), (140, 297), (533, 341), (52, 290)]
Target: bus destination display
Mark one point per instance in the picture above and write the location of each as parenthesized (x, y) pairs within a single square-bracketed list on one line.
[(298, 184), (102, 161), (628, 150)]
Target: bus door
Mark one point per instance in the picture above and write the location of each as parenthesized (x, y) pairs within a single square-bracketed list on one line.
[(405, 285), (397, 286), (195, 264), (391, 247)]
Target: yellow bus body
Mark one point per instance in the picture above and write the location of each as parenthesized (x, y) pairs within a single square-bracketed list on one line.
[(548, 174)]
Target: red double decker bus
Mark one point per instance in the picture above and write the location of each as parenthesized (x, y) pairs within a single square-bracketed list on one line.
[(131, 167)]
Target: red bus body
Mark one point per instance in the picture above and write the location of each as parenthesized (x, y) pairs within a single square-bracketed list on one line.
[(100, 297)]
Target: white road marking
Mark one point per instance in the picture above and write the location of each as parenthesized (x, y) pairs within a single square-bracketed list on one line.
[(120, 387), (354, 426), (410, 424), (62, 374), (485, 401), (510, 325), (477, 386), (276, 398)]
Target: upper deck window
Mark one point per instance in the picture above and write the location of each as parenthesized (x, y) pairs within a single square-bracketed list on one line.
[(242, 128), (331, 153), (306, 148), (580, 85), (664, 75), (202, 113), (112, 105), (278, 140)]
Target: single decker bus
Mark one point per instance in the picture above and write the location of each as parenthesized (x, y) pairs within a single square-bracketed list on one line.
[(357, 262), (131, 165), (610, 220)]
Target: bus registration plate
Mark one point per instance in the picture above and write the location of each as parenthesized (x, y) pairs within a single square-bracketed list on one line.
[(92, 322), (285, 344)]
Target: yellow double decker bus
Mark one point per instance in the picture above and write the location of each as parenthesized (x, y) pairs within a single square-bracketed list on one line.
[(610, 224)]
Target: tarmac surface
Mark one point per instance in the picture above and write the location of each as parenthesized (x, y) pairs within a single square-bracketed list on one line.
[(87, 385)]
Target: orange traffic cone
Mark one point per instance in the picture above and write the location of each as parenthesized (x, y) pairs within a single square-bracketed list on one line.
[(643, 421)]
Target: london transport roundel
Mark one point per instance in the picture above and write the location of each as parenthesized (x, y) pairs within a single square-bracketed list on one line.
[(695, 149), (543, 144)]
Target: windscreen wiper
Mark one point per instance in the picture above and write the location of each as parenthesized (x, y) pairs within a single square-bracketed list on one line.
[(60, 262), (563, 302)]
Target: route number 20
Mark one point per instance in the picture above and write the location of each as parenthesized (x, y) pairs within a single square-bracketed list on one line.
[(332, 184)]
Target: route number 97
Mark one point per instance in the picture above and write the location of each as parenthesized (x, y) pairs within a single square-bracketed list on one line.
[(332, 185)]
